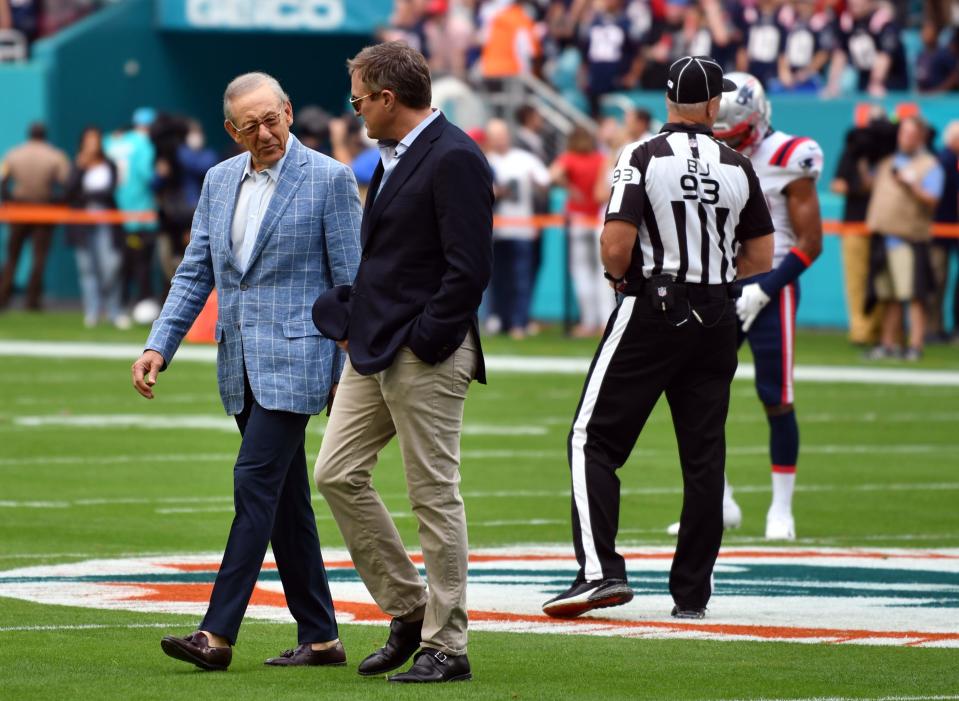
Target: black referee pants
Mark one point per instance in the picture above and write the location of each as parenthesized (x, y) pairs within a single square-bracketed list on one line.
[(645, 353)]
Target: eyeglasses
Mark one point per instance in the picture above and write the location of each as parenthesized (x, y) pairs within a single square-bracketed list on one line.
[(270, 121), (355, 101)]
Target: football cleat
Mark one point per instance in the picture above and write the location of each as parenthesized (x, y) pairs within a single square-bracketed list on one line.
[(732, 517), (780, 527), (732, 514), (692, 614), (586, 596)]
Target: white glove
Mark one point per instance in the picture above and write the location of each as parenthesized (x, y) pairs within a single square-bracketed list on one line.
[(750, 304)]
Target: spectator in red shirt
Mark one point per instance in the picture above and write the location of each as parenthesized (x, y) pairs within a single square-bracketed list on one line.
[(578, 169)]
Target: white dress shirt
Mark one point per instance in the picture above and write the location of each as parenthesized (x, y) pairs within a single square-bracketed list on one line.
[(256, 191)]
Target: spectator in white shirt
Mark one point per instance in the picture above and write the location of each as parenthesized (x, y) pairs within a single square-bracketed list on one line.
[(518, 175)]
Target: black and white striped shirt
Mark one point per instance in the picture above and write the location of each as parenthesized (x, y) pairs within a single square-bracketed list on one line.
[(693, 200)]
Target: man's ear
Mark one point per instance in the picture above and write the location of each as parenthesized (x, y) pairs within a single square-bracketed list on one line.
[(229, 130), (712, 108)]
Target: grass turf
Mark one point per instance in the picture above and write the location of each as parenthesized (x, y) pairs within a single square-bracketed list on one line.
[(126, 663), (878, 469)]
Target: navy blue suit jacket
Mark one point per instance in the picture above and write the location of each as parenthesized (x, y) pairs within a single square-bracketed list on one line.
[(427, 241)]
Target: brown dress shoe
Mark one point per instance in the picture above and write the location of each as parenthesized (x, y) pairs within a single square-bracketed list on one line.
[(195, 649), (304, 655)]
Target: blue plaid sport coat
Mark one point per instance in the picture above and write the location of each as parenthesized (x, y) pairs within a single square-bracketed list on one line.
[(308, 242)]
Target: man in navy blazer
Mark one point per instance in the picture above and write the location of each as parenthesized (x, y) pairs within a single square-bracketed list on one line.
[(409, 324), (273, 229)]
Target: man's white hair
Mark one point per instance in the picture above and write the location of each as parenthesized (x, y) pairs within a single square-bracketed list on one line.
[(247, 83)]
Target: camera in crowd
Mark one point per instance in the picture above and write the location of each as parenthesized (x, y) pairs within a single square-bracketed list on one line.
[(872, 142)]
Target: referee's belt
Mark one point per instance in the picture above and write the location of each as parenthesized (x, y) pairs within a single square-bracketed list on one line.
[(693, 292)]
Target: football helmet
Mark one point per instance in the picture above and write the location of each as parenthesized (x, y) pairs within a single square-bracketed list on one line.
[(744, 114)]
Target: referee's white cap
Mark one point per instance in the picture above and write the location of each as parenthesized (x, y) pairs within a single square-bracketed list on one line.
[(696, 79)]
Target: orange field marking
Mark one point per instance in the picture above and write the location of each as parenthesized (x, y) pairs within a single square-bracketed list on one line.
[(200, 593)]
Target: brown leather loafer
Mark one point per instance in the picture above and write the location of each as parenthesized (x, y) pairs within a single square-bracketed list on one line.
[(304, 655), (195, 649)]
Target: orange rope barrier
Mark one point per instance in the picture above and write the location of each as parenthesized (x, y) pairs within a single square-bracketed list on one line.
[(56, 214), (17, 213)]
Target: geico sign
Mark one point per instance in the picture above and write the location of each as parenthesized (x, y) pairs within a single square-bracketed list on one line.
[(266, 14)]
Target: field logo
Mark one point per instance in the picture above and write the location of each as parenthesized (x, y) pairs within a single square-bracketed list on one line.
[(823, 595)]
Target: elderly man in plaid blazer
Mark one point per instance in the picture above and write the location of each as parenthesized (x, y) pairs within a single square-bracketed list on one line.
[(273, 229)]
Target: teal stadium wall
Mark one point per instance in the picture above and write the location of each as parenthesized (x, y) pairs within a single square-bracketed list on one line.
[(101, 69), (104, 67)]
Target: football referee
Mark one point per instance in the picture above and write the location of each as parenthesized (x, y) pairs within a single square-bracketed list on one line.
[(685, 220)]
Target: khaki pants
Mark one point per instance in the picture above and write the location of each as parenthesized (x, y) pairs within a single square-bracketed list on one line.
[(897, 283), (863, 328), (422, 405)]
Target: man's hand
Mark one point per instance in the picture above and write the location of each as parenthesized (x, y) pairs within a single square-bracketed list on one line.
[(750, 304), (344, 345), (145, 371), (329, 400)]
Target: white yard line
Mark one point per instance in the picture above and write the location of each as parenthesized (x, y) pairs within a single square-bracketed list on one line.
[(159, 422), (179, 504), (528, 365), (226, 423), (520, 522), (208, 422), (519, 454)]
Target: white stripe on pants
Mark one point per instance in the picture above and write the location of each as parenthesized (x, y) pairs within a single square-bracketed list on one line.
[(593, 570)]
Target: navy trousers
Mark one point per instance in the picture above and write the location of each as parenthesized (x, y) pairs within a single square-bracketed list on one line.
[(271, 497)]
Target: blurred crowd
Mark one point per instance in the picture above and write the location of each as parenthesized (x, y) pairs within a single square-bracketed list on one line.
[(157, 163), (527, 177), (891, 177), (899, 185), (24, 21), (791, 45), (154, 165)]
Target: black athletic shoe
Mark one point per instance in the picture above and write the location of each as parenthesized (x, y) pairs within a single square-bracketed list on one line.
[(688, 613), (586, 596)]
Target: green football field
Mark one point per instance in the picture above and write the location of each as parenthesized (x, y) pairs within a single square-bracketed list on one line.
[(89, 471)]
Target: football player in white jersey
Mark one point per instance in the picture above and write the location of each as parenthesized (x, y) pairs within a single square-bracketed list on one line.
[(788, 167)]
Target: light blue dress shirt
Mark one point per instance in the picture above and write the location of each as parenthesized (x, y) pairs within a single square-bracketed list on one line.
[(256, 191), (390, 153)]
